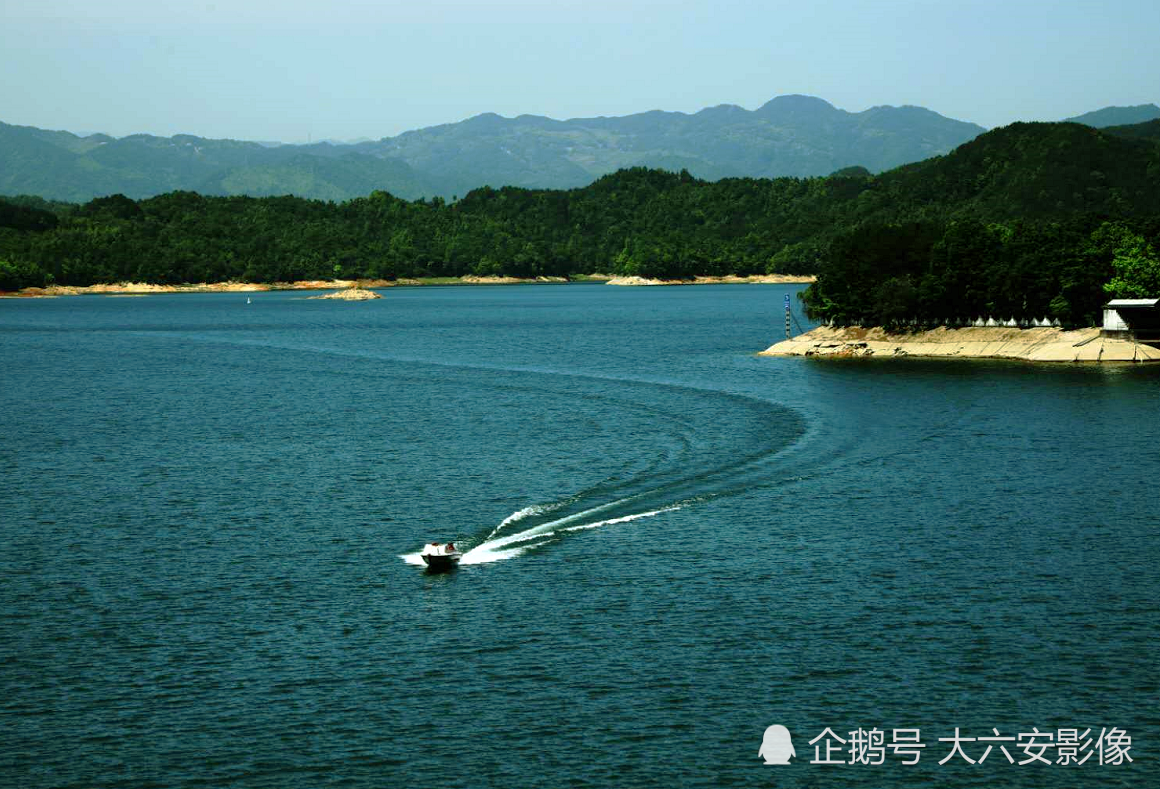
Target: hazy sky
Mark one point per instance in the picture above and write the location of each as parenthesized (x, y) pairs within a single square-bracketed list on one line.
[(291, 69)]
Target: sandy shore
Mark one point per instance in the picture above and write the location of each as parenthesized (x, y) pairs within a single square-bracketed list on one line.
[(756, 279), (1035, 345), (145, 288)]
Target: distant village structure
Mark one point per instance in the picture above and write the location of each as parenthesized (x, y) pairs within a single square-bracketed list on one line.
[(1133, 319)]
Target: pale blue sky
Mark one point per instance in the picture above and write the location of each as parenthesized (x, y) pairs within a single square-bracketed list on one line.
[(291, 70)]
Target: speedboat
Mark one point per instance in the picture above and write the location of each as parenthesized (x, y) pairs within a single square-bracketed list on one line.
[(440, 557)]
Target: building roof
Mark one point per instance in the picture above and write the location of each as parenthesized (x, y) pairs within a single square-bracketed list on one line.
[(1114, 303)]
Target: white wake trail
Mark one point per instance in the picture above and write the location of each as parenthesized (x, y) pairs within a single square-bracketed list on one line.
[(528, 512), (546, 529), (513, 545), (485, 555), (624, 519), (496, 550)]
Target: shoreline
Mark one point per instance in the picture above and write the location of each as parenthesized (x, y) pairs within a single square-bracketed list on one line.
[(146, 289), (1032, 345), (729, 279)]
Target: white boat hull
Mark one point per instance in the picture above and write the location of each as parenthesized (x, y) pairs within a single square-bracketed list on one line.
[(440, 558), (439, 564)]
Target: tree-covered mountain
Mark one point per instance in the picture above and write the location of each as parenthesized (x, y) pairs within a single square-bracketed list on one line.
[(1031, 220), (790, 135), (1022, 172), (1117, 116)]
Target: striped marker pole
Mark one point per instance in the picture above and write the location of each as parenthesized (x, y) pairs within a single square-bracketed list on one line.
[(787, 316)]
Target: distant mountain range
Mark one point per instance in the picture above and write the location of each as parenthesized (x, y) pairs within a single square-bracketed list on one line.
[(1118, 116), (788, 136)]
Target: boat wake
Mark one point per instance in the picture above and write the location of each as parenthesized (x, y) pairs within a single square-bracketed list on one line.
[(758, 447), (617, 502), (657, 445), (512, 545), (508, 546), (661, 445)]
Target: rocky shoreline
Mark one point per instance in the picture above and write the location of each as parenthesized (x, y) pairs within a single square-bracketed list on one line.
[(1034, 345), (756, 279)]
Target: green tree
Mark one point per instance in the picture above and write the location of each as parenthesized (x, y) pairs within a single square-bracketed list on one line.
[(22, 274), (1134, 261)]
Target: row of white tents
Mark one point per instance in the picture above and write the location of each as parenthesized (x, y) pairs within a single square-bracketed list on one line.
[(1017, 323), (1022, 323)]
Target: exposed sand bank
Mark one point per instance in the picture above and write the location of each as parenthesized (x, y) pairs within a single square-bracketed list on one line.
[(1035, 345), (351, 294), (472, 280), (756, 279)]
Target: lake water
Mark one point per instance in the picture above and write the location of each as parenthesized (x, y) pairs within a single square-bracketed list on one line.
[(210, 511)]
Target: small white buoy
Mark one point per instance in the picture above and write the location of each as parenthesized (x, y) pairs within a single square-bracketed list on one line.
[(247, 299)]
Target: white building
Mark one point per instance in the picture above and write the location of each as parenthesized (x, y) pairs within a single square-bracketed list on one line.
[(1137, 319)]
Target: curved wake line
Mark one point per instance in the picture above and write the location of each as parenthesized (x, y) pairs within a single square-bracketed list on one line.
[(667, 493), (380, 356), (667, 483)]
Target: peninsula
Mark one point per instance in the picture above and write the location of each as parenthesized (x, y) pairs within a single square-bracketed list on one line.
[(1034, 345)]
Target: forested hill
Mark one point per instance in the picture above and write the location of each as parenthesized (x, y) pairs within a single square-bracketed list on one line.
[(1027, 221), (1024, 171), (1142, 131), (1030, 218)]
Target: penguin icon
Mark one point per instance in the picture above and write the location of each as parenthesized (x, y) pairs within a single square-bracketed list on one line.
[(776, 746)]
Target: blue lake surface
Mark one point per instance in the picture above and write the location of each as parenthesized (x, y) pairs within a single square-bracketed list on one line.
[(209, 512)]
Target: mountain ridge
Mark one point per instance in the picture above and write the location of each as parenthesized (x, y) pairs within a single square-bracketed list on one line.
[(789, 135), (1117, 116)]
